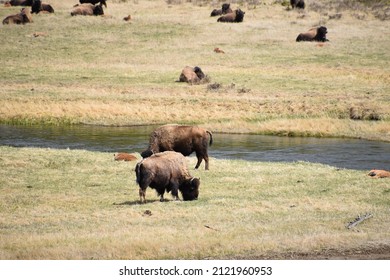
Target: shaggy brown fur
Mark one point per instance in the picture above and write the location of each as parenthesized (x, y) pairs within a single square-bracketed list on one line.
[(235, 16), (225, 10), (166, 171), (183, 139), (124, 157), (376, 173), (87, 10), (191, 75), (18, 3), (23, 17), (314, 34), (94, 2)]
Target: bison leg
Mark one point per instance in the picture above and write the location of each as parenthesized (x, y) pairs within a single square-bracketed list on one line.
[(142, 195), (206, 159)]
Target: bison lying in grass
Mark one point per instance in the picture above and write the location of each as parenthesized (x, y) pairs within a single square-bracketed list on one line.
[(94, 2), (191, 75), (235, 16), (181, 138), (377, 173), (23, 17), (225, 10), (314, 34), (168, 172), (87, 10)]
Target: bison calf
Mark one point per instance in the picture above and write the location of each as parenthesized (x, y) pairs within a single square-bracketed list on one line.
[(314, 34), (87, 10), (183, 139), (124, 157), (168, 172), (191, 75), (225, 10), (379, 173)]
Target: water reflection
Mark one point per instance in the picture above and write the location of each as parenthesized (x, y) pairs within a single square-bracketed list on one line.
[(343, 153)]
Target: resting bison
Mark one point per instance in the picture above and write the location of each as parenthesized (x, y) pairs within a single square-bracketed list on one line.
[(87, 10), (235, 16), (225, 10), (124, 157), (94, 2), (314, 34), (379, 173), (298, 4), (37, 7), (183, 139), (19, 3), (166, 171), (191, 75), (23, 17)]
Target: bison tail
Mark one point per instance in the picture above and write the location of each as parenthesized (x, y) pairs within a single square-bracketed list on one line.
[(138, 172), (211, 137)]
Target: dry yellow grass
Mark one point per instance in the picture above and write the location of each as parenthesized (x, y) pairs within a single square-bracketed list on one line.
[(108, 71)]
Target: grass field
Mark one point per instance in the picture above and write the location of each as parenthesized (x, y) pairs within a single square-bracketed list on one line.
[(69, 204), (72, 204), (105, 71)]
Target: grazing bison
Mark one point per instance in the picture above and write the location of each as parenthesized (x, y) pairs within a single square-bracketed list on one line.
[(124, 157), (314, 34), (235, 16), (94, 2), (191, 75), (297, 4), (183, 139), (379, 173), (87, 10), (23, 17), (166, 171), (225, 10)]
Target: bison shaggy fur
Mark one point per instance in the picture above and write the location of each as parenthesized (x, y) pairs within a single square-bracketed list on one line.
[(23, 17), (191, 75), (225, 10), (94, 2), (87, 10), (235, 16), (124, 157), (314, 34), (166, 171), (297, 4), (183, 139)]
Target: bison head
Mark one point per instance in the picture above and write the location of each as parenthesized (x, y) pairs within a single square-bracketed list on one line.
[(146, 153), (321, 33), (199, 72), (239, 15), (190, 189), (225, 8), (98, 10)]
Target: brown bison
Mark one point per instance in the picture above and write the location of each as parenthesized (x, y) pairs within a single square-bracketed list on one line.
[(225, 10), (166, 171), (314, 34), (124, 157), (18, 3), (235, 16), (297, 4), (94, 2), (379, 173), (23, 17), (87, 10), (191, 75), (37, 7), (183, 139)]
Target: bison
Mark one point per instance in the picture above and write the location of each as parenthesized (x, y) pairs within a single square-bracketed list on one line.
[(23, 17), (225, 10), (87, 10), (235, 16), (37, 7), (94, 2), (376, 173), (183, 139), (298, 4), (166, 171), (314, 34), (191, 75), (124, 157), (19, 3)]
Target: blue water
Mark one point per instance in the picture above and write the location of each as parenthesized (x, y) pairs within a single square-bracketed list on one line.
[(338, 152)]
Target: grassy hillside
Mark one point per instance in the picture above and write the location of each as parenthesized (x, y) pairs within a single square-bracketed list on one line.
[(106, 71), (69, 204)]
